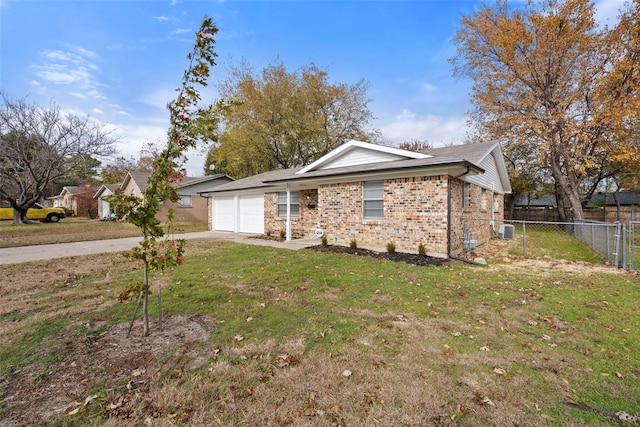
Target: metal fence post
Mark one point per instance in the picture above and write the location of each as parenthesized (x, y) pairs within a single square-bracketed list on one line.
[(524, 239), (617, 248)]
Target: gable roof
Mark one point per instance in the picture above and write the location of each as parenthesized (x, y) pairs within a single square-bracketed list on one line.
[(140, 179), (189, 181), (106, 188), (359, 160), (358, 152)]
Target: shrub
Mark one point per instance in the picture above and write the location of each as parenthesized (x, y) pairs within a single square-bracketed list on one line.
[(422, 251), (324, 241), (353, 244), (391, 248), (283, 234)]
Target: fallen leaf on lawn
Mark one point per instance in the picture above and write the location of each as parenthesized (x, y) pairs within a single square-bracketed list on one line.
[(346, 373), (623, 416), (138, 372), (488, 401), (75, 411), (484, 348), (249, 319), (619, 375), (456, 334), (90, 399), (546, 337), (238, 338), (499, 371)]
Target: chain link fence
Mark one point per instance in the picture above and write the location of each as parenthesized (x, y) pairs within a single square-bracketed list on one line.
[(589, 241)]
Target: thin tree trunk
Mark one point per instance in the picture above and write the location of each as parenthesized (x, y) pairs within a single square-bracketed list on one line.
[(135, 311), (145, 301)]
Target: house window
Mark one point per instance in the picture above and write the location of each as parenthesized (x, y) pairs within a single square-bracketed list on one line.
[(373, 200), (483, 199), (466, 198), (294, 204), (185, 201)]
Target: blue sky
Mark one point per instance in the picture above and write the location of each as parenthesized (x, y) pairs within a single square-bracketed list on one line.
[(120, 61)]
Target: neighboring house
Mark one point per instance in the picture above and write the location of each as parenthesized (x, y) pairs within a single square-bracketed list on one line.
[(191, 207), (105, 190), (623, 206), (534, 207), (78, 200), (374, 195)]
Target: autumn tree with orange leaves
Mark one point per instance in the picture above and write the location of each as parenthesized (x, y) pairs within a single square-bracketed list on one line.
[(550, 83)]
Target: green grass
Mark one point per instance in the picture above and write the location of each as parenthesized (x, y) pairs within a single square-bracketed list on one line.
[(402, 329), (70, 230), (548, 241)]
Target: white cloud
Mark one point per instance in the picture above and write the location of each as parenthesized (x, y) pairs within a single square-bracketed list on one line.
[(97, 111), (160, 18), (437, 130), (181, 31), (607, 11), (73, 67)]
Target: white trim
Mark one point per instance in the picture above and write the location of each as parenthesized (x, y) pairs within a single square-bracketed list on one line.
[(288, 214), (348, 146)]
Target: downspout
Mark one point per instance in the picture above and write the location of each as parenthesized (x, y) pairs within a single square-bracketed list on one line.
[(451, 178)]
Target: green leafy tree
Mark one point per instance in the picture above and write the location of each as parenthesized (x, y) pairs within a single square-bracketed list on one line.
[(278, 120), (187, 121)]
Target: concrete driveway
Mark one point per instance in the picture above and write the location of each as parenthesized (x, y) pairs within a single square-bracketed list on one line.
[(63, 250)]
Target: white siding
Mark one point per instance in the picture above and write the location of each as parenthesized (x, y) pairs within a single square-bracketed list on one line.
[(361, 156), (490, 179)]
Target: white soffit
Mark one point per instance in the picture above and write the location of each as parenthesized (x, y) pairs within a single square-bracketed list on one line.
[(354, 153)]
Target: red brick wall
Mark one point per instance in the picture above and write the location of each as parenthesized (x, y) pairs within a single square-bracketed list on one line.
[(415, 212), (304, 225)]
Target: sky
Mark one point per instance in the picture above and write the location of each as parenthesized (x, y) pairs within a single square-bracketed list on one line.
[(120, 61)]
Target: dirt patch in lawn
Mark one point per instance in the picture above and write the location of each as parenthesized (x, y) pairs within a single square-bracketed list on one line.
[(109, 360)]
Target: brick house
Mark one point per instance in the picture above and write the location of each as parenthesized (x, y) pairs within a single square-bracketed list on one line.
[(374, 195), (191, 207), (77, 200)]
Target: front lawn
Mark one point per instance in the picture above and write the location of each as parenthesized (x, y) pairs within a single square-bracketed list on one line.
[(312, 338)]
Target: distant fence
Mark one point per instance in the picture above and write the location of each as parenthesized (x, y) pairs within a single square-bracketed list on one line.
[(616, 243), (625, 215)]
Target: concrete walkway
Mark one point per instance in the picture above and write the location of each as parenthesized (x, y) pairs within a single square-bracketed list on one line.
[(62, 250)]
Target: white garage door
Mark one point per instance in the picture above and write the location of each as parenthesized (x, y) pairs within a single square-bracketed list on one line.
[(251, 214), (224, 213)]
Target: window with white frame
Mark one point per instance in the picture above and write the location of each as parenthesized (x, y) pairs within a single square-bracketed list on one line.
[(372, 201), (294, 202), (466, 195), (184, 201), (483, 199)]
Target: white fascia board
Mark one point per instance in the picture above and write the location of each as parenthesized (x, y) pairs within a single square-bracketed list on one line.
[(378, 175), (348, 146)]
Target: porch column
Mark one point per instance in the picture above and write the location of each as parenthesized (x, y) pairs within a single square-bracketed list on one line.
[(288, 214)]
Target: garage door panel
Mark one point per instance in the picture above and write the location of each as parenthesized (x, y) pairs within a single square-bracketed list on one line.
[(224, 213), (251, 214)]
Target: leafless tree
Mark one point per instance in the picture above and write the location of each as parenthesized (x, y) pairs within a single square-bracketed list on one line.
[(41, 145)]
